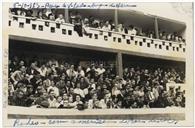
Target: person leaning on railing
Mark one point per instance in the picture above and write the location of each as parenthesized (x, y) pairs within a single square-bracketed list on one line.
[(60, 19), (41, 15)]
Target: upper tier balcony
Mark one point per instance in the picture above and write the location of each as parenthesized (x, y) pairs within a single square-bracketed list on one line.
[(50, 32)]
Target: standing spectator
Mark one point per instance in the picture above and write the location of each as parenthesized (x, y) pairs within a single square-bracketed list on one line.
[(72, 17), (78, 24), (51, 17), (121, 28), (106, 26), (60, 19), (132, 30), (43, 70), (41, 15), (20, 12)]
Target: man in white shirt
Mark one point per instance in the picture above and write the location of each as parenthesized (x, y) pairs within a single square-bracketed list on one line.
[(54, 88), (80, 72), (100, 70), (60, 19), (107, 26), (18, 74), (94, 102), (53, 103), (79, 91), (42, 70), (71, 72), (132, 30)]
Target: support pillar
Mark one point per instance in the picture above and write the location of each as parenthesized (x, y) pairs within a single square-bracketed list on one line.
[(66, 15), (119, 64), (156, 27), (116, 19)]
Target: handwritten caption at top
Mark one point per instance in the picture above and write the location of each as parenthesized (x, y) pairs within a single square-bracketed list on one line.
[(71, 5)]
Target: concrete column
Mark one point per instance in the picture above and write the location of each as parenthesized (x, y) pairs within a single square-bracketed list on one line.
[(66, 15), (116, 19), (156, 27), (119, 64)]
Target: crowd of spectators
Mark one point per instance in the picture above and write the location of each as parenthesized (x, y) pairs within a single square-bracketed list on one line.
[(82, 24), (171, 37), (52, 83)]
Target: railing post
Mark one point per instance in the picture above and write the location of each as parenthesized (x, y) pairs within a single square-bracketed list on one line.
[(116, 19), (66, 15), (119, 64), (156, 27)]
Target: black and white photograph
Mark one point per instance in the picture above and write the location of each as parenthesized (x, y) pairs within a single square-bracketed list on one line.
[(97, 64)]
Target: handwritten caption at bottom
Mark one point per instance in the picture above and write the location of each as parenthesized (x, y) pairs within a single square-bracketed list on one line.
[(62, 122)]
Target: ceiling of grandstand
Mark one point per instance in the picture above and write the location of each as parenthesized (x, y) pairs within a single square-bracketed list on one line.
[(138, 19)]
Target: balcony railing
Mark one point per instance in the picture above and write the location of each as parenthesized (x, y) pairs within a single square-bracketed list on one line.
[(50, 30)]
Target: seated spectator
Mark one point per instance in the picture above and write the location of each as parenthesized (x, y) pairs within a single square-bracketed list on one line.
[(71, 72), (56, 84), (52, 100), (106, 102), (79, 91), (100, 70), (10, 90), (116, 91), (54, 88), (66, 101), (77, 102), (60, 103), (19, 98), (94, 103), (80, 72)]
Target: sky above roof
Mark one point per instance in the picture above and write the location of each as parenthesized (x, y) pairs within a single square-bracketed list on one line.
[(175, 11)]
